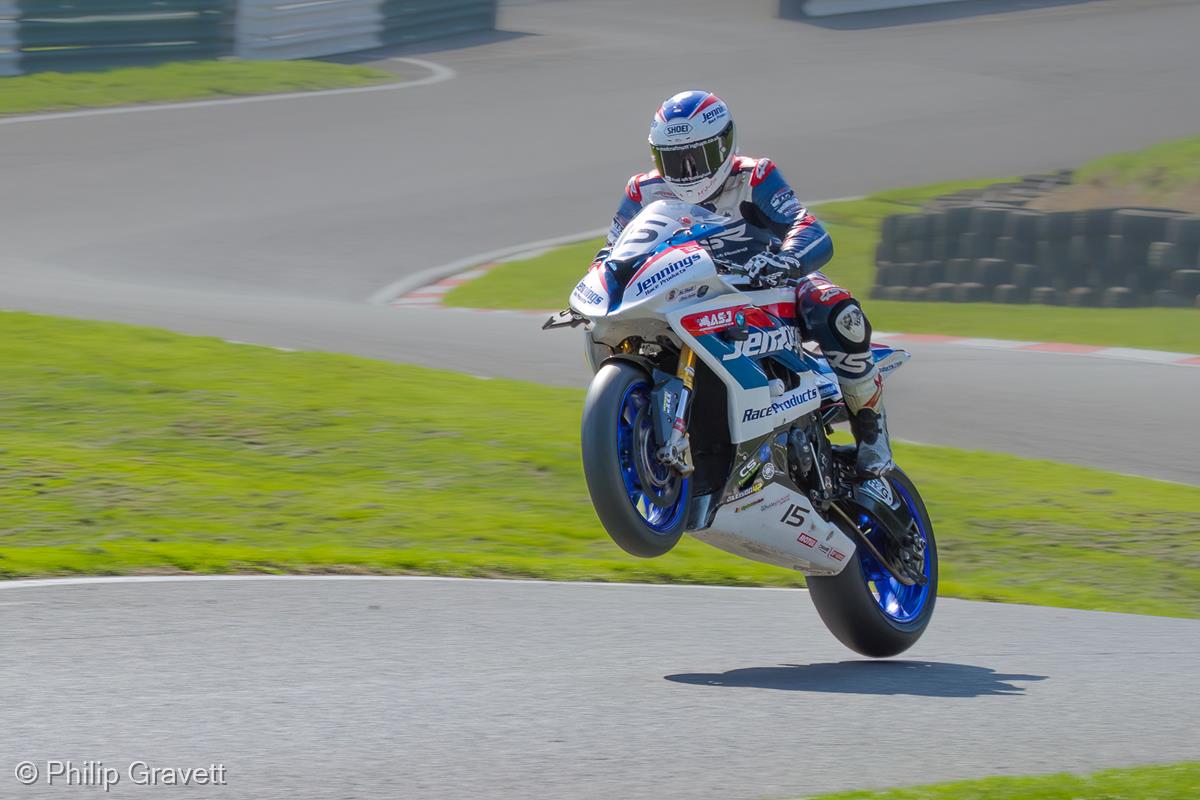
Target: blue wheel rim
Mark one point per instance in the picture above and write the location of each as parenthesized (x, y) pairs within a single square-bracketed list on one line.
[(898, 602), (658, 518)]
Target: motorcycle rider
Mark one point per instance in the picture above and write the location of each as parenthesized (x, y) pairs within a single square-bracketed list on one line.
[(693, 142)]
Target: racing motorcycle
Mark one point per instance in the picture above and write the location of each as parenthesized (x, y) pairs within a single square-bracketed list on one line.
[(707, 414)]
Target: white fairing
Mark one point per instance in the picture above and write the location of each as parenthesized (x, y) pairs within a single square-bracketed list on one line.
[(753, 410), (679, 292), (778, 525)]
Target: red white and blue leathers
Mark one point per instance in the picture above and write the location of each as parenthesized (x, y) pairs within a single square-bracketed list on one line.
[(756, 193)]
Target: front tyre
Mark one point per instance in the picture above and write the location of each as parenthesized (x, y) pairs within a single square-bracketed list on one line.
[(641, 502), (866, 608)]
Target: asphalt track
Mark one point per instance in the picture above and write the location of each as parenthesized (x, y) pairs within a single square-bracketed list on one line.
[(273, 222), (447, 689)]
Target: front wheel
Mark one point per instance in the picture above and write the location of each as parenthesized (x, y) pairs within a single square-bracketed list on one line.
[(864, 606), (641, 502)]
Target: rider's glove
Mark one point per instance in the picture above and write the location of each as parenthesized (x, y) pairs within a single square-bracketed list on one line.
[(771, 268)]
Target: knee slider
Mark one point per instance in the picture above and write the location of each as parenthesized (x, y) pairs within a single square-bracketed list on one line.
[(850, 326)]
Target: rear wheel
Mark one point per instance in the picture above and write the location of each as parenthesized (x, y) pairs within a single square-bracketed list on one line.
[(864, 606), (641, 502)]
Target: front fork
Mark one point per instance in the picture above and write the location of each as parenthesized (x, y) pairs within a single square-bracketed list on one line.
[(677, 452)]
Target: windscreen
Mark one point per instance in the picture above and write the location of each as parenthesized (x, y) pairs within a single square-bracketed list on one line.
[(655, 224)]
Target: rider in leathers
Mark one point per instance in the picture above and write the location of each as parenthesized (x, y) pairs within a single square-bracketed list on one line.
[(693, 141)]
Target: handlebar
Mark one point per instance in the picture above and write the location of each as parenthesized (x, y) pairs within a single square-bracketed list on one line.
[(755, 283)]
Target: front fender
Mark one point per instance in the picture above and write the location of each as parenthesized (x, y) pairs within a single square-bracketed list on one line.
[(629, 358), (595, 353)]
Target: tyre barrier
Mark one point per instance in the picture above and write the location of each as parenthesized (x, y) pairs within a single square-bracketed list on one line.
[(984, 245)]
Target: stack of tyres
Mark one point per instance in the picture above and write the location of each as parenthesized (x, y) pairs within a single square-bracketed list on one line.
[(986, 246)]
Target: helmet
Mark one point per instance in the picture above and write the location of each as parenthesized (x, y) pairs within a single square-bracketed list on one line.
[(693, 142)]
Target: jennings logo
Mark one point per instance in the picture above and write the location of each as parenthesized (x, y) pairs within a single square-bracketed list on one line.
[(587, 294), (678, 129), (665, 274), (716, 112), (760, 343), (781, 405)]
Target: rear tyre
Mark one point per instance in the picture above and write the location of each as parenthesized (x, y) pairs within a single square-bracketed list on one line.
[(641, 502), (867, 609)]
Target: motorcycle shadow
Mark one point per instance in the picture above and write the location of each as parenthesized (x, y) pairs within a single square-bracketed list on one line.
[(920, 678)]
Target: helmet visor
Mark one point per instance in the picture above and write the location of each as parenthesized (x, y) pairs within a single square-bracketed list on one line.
[(694, 162)]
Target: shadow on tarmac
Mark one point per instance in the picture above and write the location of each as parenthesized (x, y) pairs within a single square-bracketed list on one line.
[(920, 678)]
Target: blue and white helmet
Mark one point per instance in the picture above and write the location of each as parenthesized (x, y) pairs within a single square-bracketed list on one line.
[(693, 142)]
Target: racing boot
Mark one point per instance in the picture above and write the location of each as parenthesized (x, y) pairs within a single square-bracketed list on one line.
[(868, 423)]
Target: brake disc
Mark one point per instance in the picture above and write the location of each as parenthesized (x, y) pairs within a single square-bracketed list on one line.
[(664, 491)]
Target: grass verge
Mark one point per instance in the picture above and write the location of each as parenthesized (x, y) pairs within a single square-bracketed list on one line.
[(1166, 782), (544, 282), (126, 450), (185, 80)]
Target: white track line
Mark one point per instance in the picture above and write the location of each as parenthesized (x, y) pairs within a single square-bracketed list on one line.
[(437, 74), (45, 582), (426, 277)]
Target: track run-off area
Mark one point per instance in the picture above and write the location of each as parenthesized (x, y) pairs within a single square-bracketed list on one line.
[(274, 222)]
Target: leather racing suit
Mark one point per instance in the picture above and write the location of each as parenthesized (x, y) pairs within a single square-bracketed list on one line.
[(756, 193)]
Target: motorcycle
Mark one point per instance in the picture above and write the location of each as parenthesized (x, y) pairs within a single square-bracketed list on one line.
[(707, 414)]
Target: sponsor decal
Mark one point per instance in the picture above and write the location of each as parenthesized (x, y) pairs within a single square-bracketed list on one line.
[(716, 112), (796, 398), (836, 555), (709, 322), (760, 343), (768, 471), (751, 504), (775, 503), (587, 294), (733, 498), (785, 203), (806, 540), (880, 489), (748, 469), (678, 128), (671, 271)]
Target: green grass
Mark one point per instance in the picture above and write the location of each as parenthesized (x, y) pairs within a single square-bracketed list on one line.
[(546, 281), (1165, 167), (126, 450), (185, 80), (1168, 782)]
